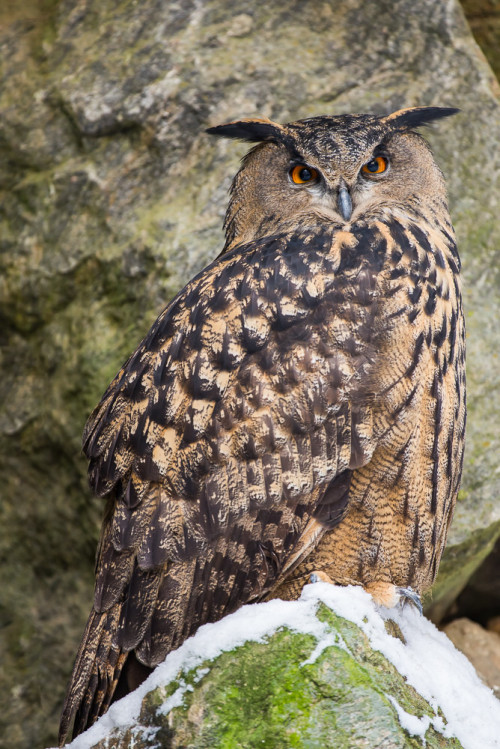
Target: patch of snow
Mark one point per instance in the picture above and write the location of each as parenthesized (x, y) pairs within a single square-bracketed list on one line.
[(200, 674), (176, 699), (147, 734), (250, 623), (428, 661), (412, 723), (326, 642)]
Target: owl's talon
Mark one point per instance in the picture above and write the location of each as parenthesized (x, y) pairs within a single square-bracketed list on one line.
[(408, 595), (389, 595), (320, 577)]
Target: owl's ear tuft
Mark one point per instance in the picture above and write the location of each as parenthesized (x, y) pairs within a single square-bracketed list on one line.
[(251, 130), (410, 119)]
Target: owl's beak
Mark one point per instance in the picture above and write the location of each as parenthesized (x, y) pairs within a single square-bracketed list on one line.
[(344, 202)]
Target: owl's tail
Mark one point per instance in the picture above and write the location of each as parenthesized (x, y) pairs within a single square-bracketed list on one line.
[(98, 666)]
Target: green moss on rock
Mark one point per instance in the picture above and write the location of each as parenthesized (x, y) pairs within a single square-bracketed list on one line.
[(281, 693)]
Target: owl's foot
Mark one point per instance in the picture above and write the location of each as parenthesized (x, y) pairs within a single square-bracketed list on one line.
[(320, 577), (408, 595), (384, 594), (389, 595)]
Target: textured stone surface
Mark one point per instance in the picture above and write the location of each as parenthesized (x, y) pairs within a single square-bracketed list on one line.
[(459, 564), (480, 646), (484, 19), (111, 196)]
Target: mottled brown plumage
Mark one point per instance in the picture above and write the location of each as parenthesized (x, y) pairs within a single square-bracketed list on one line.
[(298, 407)]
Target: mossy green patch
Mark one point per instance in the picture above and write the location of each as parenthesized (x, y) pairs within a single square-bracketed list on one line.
[(277, 694)]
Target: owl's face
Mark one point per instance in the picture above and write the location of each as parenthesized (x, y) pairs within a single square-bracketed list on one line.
[(333, 169)]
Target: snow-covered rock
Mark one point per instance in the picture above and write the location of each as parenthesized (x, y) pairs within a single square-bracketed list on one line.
[(328, 670)]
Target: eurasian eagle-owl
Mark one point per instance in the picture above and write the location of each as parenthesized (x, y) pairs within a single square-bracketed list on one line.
[(299, 407)]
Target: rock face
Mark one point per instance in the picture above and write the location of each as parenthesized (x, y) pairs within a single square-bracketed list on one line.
[(481, 646), (112, 196), (483, 17)]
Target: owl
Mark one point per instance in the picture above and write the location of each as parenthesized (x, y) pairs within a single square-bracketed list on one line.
[(296, 413)]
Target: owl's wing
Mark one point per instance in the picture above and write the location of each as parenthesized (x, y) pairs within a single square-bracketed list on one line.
[(226, 444)]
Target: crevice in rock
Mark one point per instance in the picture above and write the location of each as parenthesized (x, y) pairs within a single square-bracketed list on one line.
[(473, 622), (480, 599)]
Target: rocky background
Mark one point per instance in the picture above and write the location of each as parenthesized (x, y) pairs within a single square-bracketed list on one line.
[(112, 196)]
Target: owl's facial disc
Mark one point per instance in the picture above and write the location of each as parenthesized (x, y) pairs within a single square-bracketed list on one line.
[(336, 190)]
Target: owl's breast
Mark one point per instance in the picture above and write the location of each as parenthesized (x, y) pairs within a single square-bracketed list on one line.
[(402, 500)]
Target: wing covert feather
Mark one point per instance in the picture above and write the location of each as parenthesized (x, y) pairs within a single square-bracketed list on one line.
[(246, 330), (238, 402)]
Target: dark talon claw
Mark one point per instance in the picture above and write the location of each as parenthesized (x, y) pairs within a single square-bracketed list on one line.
[(409, 595)]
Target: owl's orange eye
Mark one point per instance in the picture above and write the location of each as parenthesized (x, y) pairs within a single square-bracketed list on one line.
[(301, 174), (376, 166)]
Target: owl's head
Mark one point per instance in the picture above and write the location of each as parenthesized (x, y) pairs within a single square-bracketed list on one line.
[(333, 169)]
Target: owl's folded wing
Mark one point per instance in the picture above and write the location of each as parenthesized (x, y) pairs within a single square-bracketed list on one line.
[(236, 422)]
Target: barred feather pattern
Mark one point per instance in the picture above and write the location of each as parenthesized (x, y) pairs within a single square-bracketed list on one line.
[(299, 406)]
